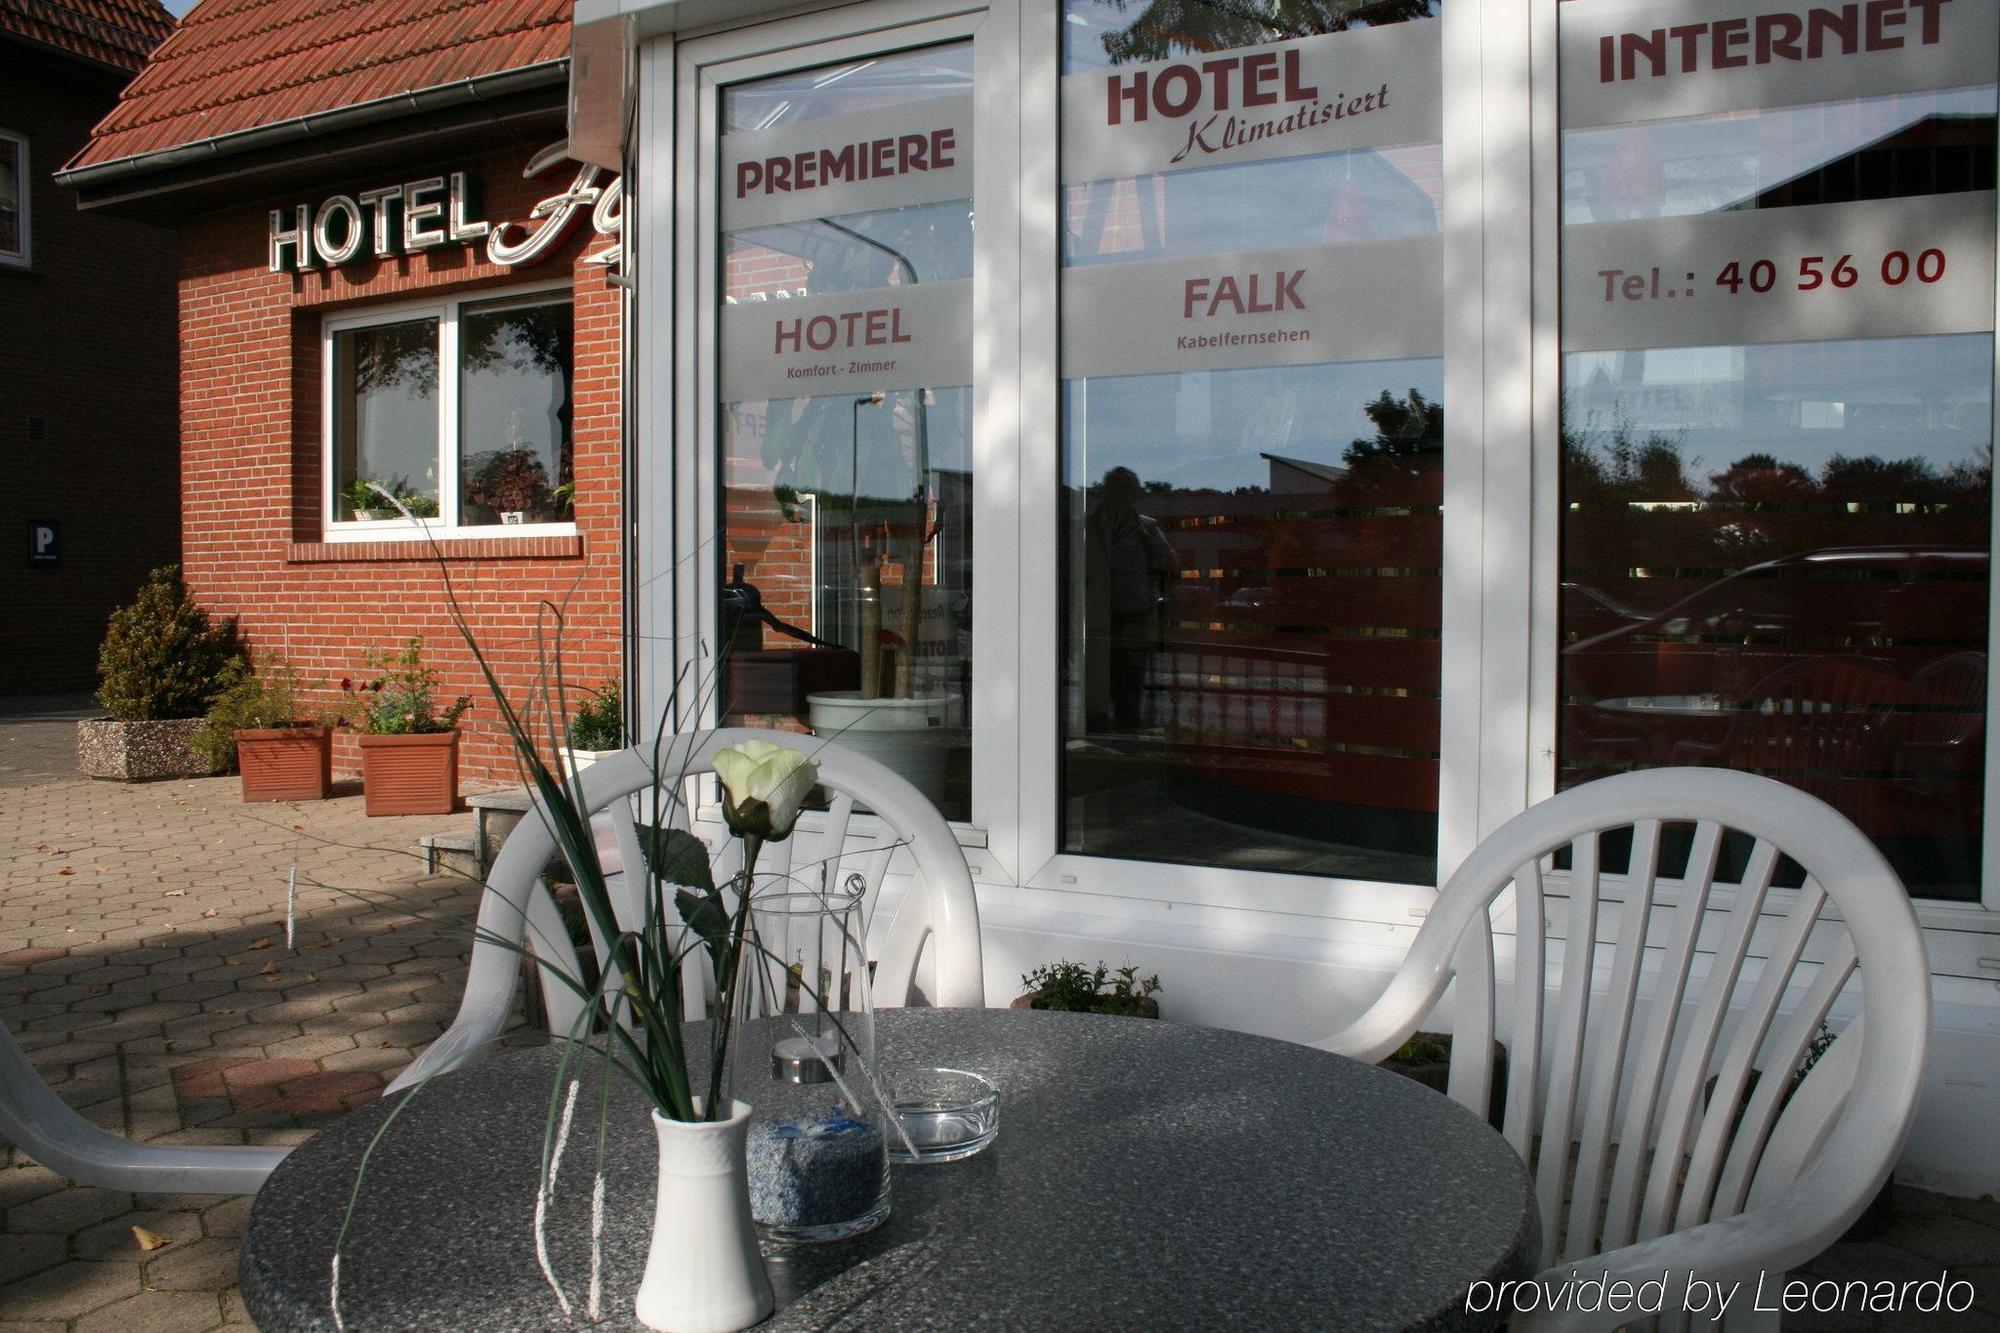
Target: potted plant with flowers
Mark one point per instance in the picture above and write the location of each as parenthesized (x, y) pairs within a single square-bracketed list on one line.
[(281, 744), (409, 744), (1066, 987)]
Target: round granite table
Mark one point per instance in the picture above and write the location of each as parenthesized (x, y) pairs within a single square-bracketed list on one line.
[(1146, 1175)]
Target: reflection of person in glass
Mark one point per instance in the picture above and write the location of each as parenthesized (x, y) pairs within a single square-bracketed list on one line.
[(1129, 568)]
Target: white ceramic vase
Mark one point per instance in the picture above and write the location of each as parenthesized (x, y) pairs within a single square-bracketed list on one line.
[(703, 1273)]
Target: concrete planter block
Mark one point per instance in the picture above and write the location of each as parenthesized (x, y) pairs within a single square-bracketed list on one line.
[(137, 751)]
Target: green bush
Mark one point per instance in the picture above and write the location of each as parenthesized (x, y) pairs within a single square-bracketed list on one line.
[(161, 657), (267, 697), (599, 723), (1073, 988)]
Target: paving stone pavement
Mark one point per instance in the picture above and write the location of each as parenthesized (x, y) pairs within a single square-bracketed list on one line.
[(145, 971), (144, 968)]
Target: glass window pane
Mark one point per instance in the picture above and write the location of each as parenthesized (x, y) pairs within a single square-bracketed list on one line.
[(514, 447), (10, 197), (846, 418), (1252, 435), (1777, 438), (385, 419)]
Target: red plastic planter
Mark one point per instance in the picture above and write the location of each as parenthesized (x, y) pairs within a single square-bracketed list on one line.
[(410, 775), (285, 763)]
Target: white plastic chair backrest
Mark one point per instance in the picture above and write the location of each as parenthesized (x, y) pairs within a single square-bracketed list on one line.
[(939, 906), (1626, 1089), (38, 1122)]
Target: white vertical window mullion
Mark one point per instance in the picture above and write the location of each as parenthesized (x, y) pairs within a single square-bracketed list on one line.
[(1039, 465), (1463, 277), (651, 240), (1507, 571), (329, 503), (1544, 186), (448, 386), (1989, 870), (997, 676)]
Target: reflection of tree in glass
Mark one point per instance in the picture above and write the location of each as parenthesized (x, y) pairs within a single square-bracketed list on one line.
[(1402, 464), (397, 356), (1177, 27), (537, 338)]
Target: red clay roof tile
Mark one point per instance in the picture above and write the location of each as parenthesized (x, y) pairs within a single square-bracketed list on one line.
[(235, 65), (112, 32)]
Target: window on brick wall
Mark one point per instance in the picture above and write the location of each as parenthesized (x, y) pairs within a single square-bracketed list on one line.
[(13, 198), (457, 412)]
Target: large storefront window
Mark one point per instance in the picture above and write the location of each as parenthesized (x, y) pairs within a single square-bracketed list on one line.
[(844, 366), (1777, 447), (1252, 435)]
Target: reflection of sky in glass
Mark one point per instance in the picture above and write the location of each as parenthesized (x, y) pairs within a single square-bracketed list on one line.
[(510, 402), (844, 438), (1212, 429), (392, 411), (1086, 21), (848, 88), (1803, 403), (852, 252), (1672, 168), (1364, 194)]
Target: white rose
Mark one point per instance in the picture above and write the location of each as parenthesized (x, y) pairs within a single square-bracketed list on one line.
[(763, 786)]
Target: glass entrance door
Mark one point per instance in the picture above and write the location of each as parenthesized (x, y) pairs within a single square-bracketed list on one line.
[(843, 373)]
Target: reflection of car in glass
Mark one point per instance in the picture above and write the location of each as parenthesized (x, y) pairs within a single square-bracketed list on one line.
[(1855, 673), (1891, 604)]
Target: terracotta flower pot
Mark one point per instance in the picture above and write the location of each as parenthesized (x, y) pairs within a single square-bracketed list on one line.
[(410, 775), (285, 763)]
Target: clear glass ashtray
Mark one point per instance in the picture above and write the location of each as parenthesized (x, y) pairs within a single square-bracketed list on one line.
[(947, 1114)]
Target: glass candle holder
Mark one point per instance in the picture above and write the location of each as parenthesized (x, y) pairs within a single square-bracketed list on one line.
[(804, 1059)]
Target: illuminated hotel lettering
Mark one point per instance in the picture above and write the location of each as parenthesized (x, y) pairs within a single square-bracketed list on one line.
[(1735, 43), (398, 219)]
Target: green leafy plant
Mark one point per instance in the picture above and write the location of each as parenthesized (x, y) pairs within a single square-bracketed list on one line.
[(599, 721), (161, 656), (402, 700), (1074, 988), (270, 696), (1424, 1048), (396, 493)]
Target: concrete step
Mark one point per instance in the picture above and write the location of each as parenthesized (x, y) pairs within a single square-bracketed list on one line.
[(451, 854)]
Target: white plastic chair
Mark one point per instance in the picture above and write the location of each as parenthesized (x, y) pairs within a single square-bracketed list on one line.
[(40, 1124), (939, 906), (1640, 1170)]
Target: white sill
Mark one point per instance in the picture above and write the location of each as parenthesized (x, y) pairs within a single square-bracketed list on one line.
[(396, 530)]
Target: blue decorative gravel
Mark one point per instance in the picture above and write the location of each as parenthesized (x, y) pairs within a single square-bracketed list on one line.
[(814, 1171)]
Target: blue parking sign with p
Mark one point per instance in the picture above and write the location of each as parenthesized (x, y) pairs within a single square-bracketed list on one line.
[(44, 542)]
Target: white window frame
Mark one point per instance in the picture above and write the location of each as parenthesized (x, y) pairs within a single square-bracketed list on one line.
[(24, 186), (447, 310)]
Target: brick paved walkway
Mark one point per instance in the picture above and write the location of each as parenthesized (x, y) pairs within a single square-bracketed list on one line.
[(143, 967)]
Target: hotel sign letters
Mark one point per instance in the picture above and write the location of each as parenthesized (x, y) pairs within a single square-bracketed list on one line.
[(1365, 89), (437, 211), (1640, 60)]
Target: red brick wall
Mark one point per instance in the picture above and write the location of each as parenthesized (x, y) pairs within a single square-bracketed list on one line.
[(251, 489), (86, 348)]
